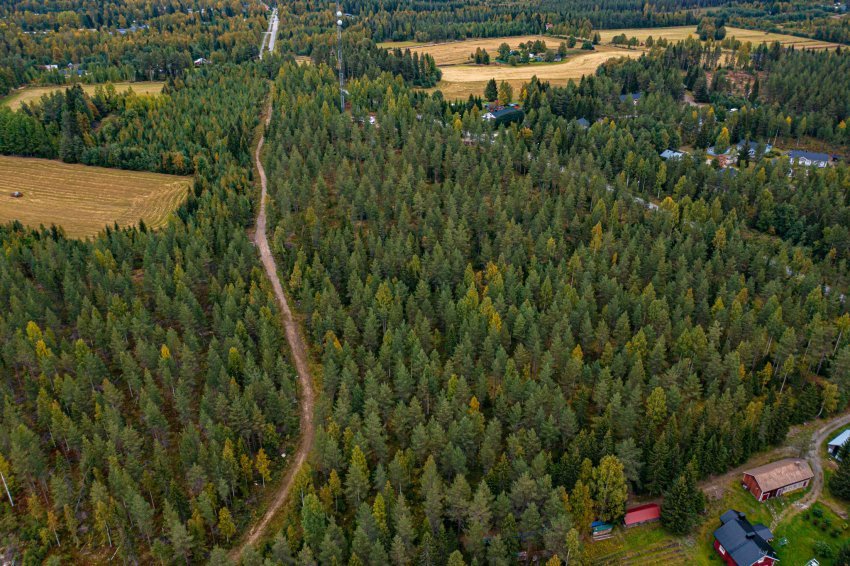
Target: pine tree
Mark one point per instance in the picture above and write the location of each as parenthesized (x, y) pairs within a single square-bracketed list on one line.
[(839, 483)]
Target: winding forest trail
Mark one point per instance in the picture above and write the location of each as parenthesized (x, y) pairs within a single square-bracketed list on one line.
[(299, 356)]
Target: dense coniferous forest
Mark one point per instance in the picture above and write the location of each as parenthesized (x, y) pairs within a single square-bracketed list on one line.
[(514, 327), (428, 20), (113, 41), (496, 320), (144, 389)]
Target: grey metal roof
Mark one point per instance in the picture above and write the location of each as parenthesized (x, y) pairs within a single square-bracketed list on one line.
[(745, 543), (810, 155), (841, 439)]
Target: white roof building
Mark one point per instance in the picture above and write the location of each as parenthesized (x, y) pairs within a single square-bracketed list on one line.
[(837, 443)]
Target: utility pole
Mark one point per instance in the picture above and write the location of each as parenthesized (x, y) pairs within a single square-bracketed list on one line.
[(339, 58)]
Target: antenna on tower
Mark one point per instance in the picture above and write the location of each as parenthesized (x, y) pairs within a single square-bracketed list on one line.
[(339, 58)]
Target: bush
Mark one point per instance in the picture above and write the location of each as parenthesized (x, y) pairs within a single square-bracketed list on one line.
[(823, 549), (835, 533), (817, 512)]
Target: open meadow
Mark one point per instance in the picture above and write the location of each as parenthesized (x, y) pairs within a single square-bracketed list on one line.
[(679, 33), (28, 94), (82, 199), (459, 81)]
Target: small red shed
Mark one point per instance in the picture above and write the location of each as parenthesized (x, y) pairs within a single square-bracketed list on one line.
[(643, 514)]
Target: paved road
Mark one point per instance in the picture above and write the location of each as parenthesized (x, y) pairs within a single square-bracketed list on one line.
[(270, 35), (299, 356)]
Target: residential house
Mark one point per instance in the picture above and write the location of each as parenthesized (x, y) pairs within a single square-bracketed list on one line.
[(808, 158), (751, 147), (648, 513), (672, 154), (837, 443), (504, 115), (200, 61), (723, 158), (741, 543), (777, 478), (583, 123), (633, 96)]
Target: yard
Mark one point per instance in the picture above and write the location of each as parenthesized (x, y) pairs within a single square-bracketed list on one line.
[(83, 200), (805, 529)]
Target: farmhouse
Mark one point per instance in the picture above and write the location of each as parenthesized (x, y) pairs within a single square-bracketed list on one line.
[(837, 443), (641, 515), (777, 478), (741, 543), (808, 158)]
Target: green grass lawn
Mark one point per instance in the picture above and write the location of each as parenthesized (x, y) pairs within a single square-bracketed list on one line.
[(646, 544), (802, 533)]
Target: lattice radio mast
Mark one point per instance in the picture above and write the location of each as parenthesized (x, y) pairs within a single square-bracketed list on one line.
[(339, 58)]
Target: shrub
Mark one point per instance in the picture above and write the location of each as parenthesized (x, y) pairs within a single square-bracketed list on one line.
[(823, 549), (817, 512)]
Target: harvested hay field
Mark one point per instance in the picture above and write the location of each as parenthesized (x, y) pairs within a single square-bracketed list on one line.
[(82, 199), (459, 81), (31, 93), (680, 33), (458, 52)]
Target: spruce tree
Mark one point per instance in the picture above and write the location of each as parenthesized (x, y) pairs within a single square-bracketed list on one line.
[(839, 483), (491, 91)]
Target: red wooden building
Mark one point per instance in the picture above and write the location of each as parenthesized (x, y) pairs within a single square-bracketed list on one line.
[(643, 514), (741, 543), (777, 478)]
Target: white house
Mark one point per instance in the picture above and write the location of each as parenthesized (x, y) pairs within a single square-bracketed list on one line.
[(672, 154), (808, 158)]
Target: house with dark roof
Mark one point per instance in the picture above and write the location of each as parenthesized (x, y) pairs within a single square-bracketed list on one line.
[(633, 96), (808, 158), (504, 115), (777, 478), (741, 543)]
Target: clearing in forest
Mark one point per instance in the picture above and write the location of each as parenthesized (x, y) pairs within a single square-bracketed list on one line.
[(680, 33), (459, 81), (30, 93), (82, 199)]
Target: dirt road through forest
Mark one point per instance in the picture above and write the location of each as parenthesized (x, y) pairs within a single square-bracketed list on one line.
[(299, 357)]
